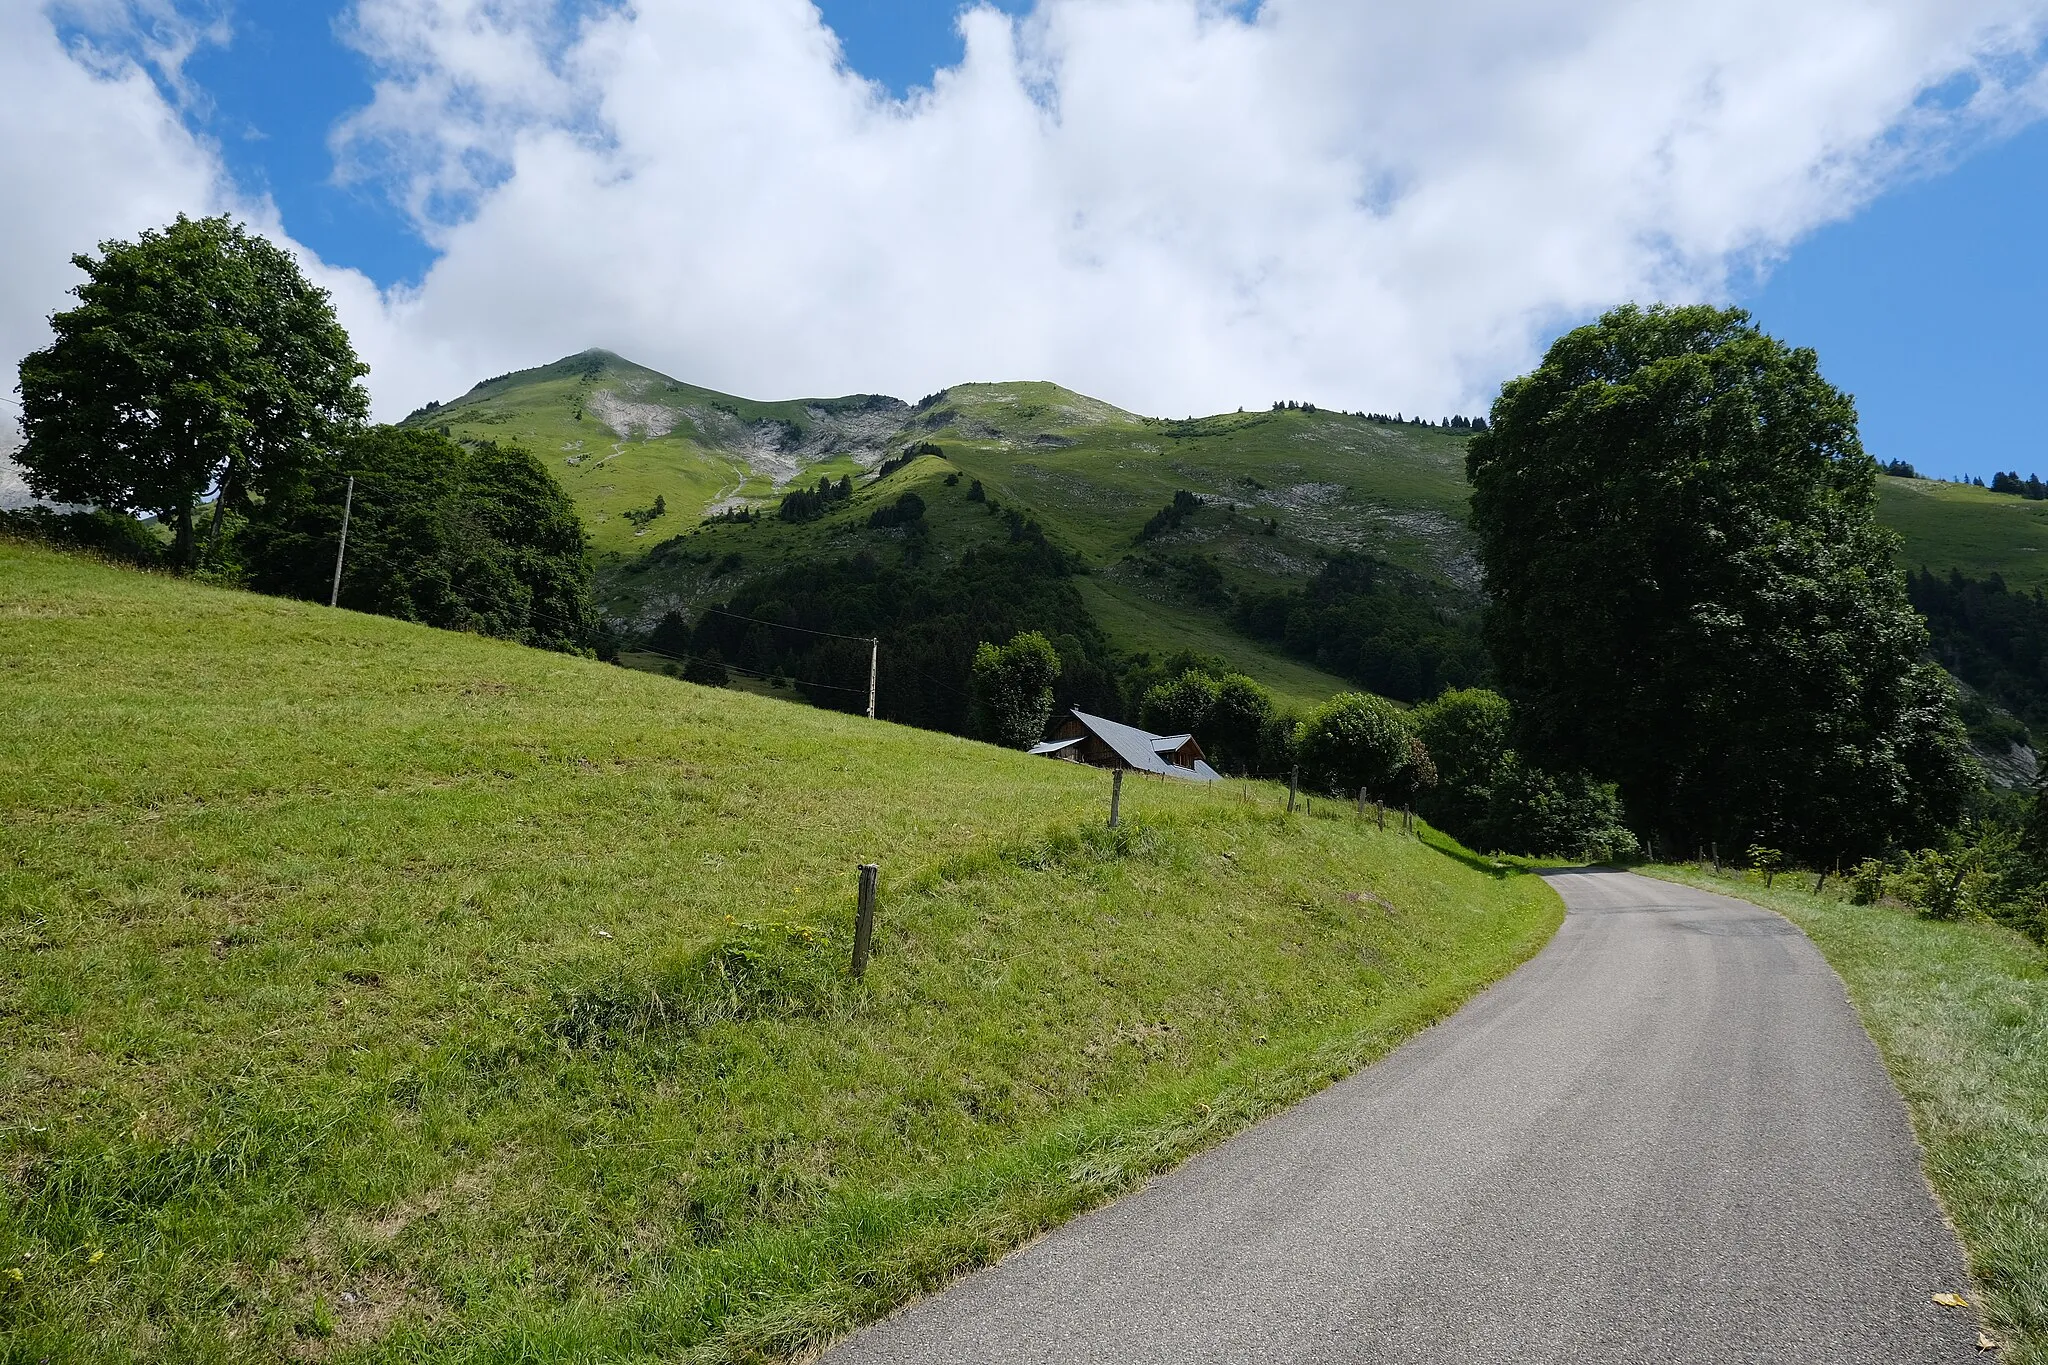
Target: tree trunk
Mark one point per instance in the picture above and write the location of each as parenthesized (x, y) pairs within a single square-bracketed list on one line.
[(187, 544), (220, 507)]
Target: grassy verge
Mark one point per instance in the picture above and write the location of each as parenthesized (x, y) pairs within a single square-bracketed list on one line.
[(1960, 1014), (375, 993)]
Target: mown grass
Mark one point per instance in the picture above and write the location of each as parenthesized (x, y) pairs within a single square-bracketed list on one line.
[(374, 993), (1960, 1014)]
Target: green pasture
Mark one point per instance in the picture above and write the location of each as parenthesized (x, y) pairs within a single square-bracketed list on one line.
[(1959, 526), (372, 993)]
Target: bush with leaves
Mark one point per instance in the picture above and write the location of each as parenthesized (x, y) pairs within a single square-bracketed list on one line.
[(1234, 719), (1180, 707), (1945, 883), (1768, 862), (1535, 811), (112, 535), (1013, 689), (1491, 797), (1468, 732), (1356, 740)]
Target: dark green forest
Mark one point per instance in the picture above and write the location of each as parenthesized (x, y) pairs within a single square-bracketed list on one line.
[(1380, 626), (1994, 639)]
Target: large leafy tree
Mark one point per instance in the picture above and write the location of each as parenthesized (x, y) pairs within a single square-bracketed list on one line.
[(199, 359), (1690, 596), (468, 537), (1013, 694)]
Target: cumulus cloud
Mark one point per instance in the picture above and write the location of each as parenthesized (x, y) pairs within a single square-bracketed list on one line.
[(1177, 205)]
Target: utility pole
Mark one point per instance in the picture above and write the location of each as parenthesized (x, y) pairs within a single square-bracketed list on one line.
[(347, 505), (874, 666)]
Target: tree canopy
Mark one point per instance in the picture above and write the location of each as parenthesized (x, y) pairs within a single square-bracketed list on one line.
[(468, 537), (1013, 689), (1690, 595), (1357, 740), (199, 358)]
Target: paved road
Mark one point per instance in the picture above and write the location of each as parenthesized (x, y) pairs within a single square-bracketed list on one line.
[(1666, 1138)]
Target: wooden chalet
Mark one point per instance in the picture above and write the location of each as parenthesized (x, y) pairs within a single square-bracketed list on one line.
[(1081, 738)]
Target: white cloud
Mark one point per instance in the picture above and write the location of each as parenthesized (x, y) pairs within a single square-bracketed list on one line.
[(1163, 202)]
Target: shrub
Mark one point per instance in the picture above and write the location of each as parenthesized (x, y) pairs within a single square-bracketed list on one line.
[(707, 668), (114, 535), (1535, 811), (1769, 861), (1356, 740), (1867, 882), (1182, 706), (1945, 884)]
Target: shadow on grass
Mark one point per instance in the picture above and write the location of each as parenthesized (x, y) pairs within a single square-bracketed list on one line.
[(1443, 843)]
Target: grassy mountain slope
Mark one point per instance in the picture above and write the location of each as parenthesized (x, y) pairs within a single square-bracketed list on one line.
[(617, 434), (1088, 473), (369, 992), (1280, 491), (1955, 526)]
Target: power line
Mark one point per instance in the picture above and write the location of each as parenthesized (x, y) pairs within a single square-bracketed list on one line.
[(777, 625)]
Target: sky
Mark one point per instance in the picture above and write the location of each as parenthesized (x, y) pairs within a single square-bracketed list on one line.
[(1177, 205)]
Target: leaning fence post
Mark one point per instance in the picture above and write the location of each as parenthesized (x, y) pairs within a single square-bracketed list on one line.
[(1116, 794), (1293, 785), (864, 920)]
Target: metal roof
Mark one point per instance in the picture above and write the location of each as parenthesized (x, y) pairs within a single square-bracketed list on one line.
[(1140, 748)]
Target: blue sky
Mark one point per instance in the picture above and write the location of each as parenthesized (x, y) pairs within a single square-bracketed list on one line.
[(1924, 305)]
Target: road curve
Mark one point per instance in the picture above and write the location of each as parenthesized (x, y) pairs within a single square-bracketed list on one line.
[(1666, 1138)]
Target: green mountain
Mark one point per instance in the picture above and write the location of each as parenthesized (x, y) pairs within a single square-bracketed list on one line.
[(1279, 492), (618, 434), (1276, 495)]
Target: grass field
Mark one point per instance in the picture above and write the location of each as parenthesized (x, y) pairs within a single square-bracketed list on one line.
[(374, 993), (1960, 1014), (1956, 526)]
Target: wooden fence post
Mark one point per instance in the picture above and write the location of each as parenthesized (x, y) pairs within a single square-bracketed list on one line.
[(1293, 785), (1116, 794), (864, 919)]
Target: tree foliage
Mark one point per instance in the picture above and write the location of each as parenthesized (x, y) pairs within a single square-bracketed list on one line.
[(1234, 719), (198, 359), (1013, 689), (1489, 796), (808, 504), (1995, 639), (1380, 626), (929, 618), (1356, 740), (1690, 596), (467, 537)]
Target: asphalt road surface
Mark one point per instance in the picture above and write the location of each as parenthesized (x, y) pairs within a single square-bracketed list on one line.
[(1666, 1138)]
